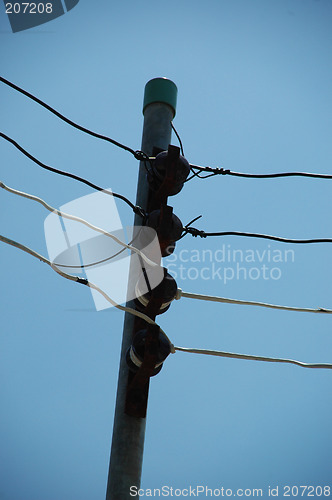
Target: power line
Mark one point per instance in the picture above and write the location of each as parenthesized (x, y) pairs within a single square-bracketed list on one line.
[(178, 138), (202, 234), (194, 174), (221, 171), (193, 231), (211, 298), (139, 155), (77, 279), (146, 318), (107, 259), (136, 209), (84, 266), (78, 219), (224, 354)]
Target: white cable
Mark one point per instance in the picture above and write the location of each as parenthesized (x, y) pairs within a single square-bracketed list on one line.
[(77, 279), (78, 219), (180, 293), (212, 298), (150, 321), (254, 358)]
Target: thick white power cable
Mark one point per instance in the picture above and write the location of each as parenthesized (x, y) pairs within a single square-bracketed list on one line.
[(77, 279), (211, 298), (150, 321), (78, 219), (180, 293), (253, 358)]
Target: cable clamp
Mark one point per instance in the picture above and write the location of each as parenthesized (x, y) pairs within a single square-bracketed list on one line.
[(140, 211), (178, 294), (196, 232), (141, 156), (216, 170), (83, 281)]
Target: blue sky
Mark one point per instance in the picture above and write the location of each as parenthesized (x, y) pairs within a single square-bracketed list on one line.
[(254, 80)]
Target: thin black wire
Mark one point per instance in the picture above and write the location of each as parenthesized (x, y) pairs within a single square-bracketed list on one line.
[(207, 176), (139, 155), (197, 232), (131, 242), (58, 264), (222, 171), (186, 227), (281, 174), (136, 209), (194, 174), (178, 138), (94, 263)]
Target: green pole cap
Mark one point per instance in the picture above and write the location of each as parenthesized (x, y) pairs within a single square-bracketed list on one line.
[(160, 90)]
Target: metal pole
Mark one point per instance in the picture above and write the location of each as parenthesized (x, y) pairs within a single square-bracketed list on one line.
[(129, 432)]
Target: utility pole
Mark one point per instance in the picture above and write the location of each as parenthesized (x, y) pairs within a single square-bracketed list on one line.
[(129, 431)]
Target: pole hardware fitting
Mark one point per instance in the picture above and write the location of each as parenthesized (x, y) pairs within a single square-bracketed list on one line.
[(168, 227), (136, 352), (158, 284), (168, 172)]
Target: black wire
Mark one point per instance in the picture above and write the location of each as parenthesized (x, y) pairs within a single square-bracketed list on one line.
[(205, 176), (107, 258), (196, 174), (209, 175), (94, 263), (83, 266), (139, 155), (222, 171), (185, 228), (178, 138), (191, 177), (192, 221), (282, 174), (136, 209), (196, 232)]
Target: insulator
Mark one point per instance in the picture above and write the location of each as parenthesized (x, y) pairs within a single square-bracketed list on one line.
[(157, 173), (135, 353), (174, 231), (166, 289)]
